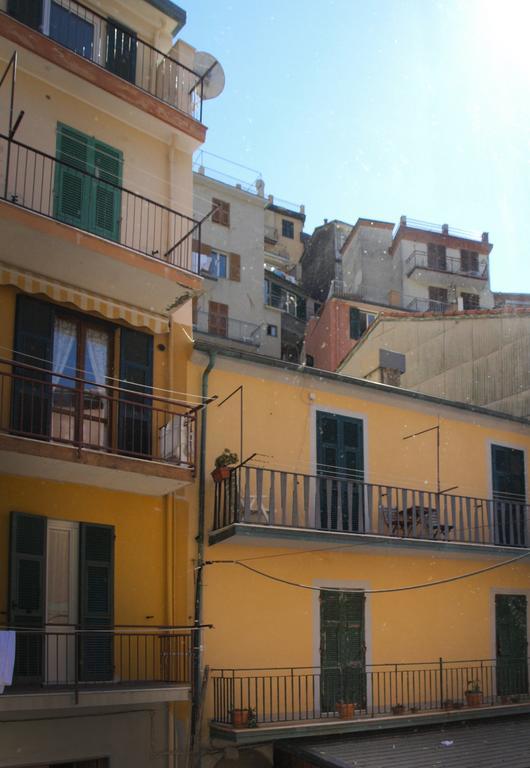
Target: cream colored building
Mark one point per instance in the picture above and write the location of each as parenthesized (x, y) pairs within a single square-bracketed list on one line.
[(476, 357)]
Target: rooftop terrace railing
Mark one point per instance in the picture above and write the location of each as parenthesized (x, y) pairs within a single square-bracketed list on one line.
[(44, 404), (327, 502), (96, 203), (109, 45), (293, 694)]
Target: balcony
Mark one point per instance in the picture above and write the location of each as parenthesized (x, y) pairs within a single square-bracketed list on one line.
[(57, 426), (225, 328), (123, 229), (271, 234), (474, 269), (384, 695), (114, 59), (429, 305), (263, 502), (101, 666)]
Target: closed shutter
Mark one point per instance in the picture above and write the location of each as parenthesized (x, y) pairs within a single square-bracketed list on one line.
[(355, 323), (106, 201), (509, 493), (342, 648), (72, 185), (512, 644), (235, 267), (217, 318), (30, 411), (135, 410), (26, 11), (121, 51), (27, 589), (96, 601)]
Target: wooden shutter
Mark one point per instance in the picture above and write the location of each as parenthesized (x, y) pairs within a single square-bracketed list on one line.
[(509, 492), (217, 318), (342, 647), (96, 600), (221, 213), (355, 323), (235, 267), (27, 590), (106, 197), (121, 51), (26, 11), (72, 185), (136, 374), (30, 410), (512, 644)]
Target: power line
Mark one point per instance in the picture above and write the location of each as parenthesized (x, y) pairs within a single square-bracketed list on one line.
[(384, 590)]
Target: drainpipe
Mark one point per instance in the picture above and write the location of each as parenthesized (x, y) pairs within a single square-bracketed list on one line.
[(197, 635)]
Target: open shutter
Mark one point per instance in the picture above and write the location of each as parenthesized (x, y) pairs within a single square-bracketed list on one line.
[(235, 267), (26, 11), (96, 601), (105, 203), (30, 410), (72, 185), (135, 410), (121, 51), (27, 589)]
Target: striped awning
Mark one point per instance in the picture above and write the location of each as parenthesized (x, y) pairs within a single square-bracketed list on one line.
[(30, 282)]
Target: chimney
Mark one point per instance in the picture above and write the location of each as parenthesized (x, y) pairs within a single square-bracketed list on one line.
[(270, 198), (201, 169), (325, 221), (445, 229), (302, 209), (260, 187), (402, 221), (485, 237)]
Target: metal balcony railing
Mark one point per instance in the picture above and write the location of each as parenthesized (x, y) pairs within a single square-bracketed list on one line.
[(94, 203), (450, 264), (108, 45), (127, 421), (269, 497), (65, 656), (292, 694), (271, 234), (429, 305), (227, 328)]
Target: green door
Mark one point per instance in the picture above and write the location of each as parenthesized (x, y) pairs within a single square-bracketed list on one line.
[(342, 649), (512, 644), (87, 183), (340, 467), (509, 494)]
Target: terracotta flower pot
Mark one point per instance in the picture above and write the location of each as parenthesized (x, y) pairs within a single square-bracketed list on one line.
[(473, 699), (398, 709), (221, 473), (240, 718), (346, 711)]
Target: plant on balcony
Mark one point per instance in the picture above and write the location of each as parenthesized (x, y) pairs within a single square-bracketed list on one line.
[(244, 718), (398, 709), (473, 693), (223, 462), (346, 709)]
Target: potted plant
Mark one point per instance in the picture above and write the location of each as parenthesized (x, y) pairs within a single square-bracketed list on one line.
[(398, 709), (346, 709), (241, 717), (473, 693), (222, 465)]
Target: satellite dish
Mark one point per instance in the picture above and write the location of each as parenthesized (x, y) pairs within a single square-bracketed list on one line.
[(214, 81)]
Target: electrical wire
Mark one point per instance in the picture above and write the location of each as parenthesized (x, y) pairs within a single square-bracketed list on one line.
[(383, 590)]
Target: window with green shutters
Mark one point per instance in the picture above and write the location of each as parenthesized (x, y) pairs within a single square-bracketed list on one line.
[(512, 644), (87, 180)]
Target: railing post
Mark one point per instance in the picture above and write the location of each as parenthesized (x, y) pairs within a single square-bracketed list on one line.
[(441, 668), (77, 657)]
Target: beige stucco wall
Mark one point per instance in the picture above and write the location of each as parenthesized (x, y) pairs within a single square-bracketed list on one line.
[(288, 249), (480, 360)]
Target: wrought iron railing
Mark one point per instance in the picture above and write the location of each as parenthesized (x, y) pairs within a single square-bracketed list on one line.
[(290, 694), (108, 45), (457, 266), (62, 656), (429, 305), (269, 497), (129, 420), (228, 328), (34, 180)]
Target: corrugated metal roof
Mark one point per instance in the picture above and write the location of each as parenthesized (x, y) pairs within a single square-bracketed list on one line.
[(477, 744)]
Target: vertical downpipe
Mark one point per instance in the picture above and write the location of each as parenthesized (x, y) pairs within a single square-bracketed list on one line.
[(197, 635)]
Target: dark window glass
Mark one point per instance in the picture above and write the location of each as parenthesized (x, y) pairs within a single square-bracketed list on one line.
[(287, 229)]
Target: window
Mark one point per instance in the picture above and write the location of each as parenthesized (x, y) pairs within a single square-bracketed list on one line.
[(272, 330), (287, 229), (436, 256), (86, 191), (359, 322), (121, 51), (221, 213), (72, 31), (509, 494), (438, 299), (287, 301), (217, 318), (218, 265), (469, 261), (310, 361), (470, 300)]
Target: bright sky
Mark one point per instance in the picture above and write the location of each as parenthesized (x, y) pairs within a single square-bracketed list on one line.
[(378, 108)]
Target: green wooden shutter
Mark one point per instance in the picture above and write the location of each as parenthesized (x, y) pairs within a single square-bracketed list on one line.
[(26, 11), (512, 644), (96, 601), (30, 409), (355, 323), (105, 204), (136, 373), (342, 648), (509, 492), (72, 185), (27, 590)]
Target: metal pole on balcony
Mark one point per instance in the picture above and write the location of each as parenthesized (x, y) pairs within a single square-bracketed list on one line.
[(441, 666)]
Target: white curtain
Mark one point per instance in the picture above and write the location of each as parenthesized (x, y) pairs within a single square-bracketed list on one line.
[(97, 343), (64, 339)]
